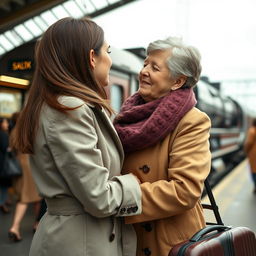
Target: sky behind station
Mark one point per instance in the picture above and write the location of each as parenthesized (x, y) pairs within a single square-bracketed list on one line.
[(224, 31)]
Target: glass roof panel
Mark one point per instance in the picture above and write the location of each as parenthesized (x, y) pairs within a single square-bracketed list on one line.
[(32, 27), (89, 7), (36, 25), (2, 51), (13, 37), (39, 21), (73, 9), (60, 12), (23, 32), (48, 17), (113, 1), (6, 44), (85, 8), (100, 3)]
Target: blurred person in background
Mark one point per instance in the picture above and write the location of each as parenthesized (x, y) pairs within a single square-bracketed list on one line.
[(76, 155), (166, 144), (5, 183), (250, 150), (25, 191)]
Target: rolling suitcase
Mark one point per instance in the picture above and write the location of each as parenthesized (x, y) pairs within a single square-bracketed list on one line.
[(217, 240)]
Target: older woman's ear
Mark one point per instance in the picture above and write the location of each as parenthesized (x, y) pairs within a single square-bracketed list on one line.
[(179, 82)]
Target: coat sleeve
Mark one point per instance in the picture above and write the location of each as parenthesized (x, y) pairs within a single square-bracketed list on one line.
[(72, 141), (189, 165)]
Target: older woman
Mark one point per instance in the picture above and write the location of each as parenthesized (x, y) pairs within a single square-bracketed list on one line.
[(166, 141)]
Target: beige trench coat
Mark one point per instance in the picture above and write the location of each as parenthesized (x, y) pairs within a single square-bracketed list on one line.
[(172, 172), (250, 148), (76, 167)]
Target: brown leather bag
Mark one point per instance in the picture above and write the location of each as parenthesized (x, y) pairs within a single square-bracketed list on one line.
[(217, 239)]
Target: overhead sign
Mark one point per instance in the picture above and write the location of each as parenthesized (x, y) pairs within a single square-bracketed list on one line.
[(20, 65)]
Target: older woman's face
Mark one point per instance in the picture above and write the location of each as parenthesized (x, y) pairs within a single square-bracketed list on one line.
[(155, 78)]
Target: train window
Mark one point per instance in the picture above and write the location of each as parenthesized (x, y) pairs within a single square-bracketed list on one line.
[(134, 84), (10, 102), (116, 97), (118, 89)]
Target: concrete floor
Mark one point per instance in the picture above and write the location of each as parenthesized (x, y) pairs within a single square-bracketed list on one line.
[(234, 196)]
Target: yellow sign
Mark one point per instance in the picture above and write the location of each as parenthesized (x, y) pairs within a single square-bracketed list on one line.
[(22, 65)]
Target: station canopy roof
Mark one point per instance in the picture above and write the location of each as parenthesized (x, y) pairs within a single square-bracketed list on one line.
[(24, 20)]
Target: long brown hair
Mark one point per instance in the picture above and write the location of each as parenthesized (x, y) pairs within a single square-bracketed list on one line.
[(62, 68)]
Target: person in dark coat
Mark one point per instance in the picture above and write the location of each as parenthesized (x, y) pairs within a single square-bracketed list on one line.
[(25, 191), (4, 182)]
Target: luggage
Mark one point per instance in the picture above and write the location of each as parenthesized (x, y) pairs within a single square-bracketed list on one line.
[(217, 240)]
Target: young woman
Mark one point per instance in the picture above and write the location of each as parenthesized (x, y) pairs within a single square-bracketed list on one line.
[(76, 155)]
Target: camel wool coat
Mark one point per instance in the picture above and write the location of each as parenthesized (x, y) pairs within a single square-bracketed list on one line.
[(250, 148), (76, 166), (172, 173)]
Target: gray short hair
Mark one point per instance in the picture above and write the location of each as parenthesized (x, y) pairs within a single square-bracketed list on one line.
[(184, 60)]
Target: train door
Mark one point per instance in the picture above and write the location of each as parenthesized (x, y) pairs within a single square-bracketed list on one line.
[(121, 86)]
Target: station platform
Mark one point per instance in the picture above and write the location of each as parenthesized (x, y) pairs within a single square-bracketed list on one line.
[(234, 196)]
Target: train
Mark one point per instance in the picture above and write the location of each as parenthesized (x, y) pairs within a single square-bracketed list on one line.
[(229, 120)]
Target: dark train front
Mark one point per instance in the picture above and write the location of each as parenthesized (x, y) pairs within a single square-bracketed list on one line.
[(228, 131), (229, 121)]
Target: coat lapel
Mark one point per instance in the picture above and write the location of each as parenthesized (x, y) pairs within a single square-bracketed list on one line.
[(106, 120)]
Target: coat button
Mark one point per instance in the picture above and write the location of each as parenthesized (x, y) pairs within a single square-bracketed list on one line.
[(111, 237), (122, 211), (147, 226), (135, 209), (129, 210), (147, 251), (145, 168)]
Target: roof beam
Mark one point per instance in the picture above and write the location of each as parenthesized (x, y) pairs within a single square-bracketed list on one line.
[(25, 13), (110, 7)]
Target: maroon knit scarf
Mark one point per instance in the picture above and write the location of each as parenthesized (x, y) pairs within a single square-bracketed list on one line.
[(142, 124)]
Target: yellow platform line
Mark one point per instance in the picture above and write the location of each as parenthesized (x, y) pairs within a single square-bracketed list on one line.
[(226, 191)]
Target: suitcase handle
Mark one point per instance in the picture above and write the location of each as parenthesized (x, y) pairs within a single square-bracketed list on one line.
[(213, 206), (197, 236)]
